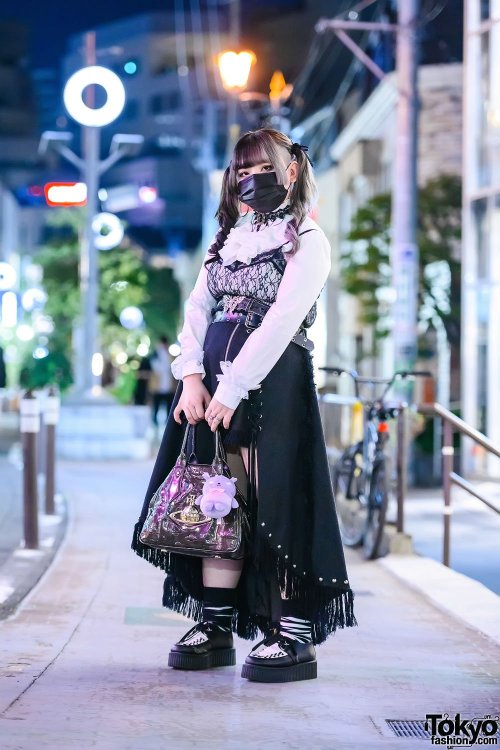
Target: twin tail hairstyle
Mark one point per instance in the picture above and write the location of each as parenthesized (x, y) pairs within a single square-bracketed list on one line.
[(256, 147)]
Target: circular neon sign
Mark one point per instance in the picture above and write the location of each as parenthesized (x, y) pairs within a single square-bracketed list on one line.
[(73, 96), (112, 226)]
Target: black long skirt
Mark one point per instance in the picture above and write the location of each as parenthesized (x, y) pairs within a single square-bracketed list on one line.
[(296, 549)]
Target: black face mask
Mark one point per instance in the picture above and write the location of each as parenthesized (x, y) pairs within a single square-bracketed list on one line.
[(262, 192)]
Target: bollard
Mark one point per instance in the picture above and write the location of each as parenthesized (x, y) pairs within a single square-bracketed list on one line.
[(30, 427), (50, 418), (40, 443)]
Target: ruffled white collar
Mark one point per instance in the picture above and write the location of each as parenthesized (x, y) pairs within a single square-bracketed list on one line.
[(244, 242)]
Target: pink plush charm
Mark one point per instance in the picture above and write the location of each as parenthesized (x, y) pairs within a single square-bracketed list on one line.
[(218, 496)]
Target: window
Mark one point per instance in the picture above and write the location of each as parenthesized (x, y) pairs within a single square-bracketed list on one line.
[(131, 110), (164, 103), (481, 223), (485, 9)]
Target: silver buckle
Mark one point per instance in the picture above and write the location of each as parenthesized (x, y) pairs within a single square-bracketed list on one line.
[(301, 339)]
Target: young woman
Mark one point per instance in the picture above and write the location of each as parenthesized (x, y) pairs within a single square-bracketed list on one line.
[(245, 368)]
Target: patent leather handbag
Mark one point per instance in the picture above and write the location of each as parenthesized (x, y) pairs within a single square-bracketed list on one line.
[(174, 522)]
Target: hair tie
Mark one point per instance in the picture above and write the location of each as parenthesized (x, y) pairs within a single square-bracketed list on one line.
[(296, 147)]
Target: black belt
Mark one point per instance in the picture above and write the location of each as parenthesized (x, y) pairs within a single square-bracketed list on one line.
[(251, 312)]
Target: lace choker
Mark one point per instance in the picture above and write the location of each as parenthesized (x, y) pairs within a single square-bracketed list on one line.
[(263, 219)]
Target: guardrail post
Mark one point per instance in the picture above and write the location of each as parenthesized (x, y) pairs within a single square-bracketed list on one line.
[(401, 472), (447, 469), (401, 543), (30, 427), (51, 418)]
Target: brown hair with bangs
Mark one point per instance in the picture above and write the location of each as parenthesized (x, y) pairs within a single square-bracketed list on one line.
[(256, 147)]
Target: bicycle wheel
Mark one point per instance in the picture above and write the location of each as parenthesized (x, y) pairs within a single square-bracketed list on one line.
[(377, 510), (352, 511)]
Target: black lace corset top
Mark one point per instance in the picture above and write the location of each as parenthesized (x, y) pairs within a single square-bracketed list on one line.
[(259, 279)]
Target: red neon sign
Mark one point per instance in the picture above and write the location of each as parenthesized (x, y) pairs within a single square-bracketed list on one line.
[(65, 193)]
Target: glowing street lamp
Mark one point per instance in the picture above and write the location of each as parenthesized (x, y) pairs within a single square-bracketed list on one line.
[(234, 68), (279, 91)]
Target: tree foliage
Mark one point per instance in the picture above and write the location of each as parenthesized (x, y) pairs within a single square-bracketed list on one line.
[(124, 280), (365, 263)]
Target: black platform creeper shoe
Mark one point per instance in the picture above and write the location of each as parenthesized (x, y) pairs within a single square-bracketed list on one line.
[(279, 658), (204, 646)]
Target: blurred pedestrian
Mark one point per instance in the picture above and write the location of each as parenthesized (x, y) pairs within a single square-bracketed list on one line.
[(3, 373), (162, 383), (143, 377), (109, 373), (245, 368)]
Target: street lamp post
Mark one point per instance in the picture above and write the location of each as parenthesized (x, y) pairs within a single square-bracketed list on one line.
[(234, 69), (91, 168), (89, 272)]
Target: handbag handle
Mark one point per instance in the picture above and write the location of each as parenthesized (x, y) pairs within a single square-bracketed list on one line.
[(220, 457)]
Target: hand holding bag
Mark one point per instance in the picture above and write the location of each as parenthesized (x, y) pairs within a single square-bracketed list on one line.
[(175, 523)]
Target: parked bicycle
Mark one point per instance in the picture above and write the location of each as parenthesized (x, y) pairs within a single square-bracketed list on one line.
[(361, 475)]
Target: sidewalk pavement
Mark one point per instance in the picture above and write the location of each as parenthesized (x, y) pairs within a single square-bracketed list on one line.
[(83, 661)]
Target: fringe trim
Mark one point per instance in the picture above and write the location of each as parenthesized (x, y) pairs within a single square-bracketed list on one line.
[(327, 607), (183, 588), (156, 557), (176, 598)]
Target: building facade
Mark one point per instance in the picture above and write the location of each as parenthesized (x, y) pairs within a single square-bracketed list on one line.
[(362, 167), (481, 226)]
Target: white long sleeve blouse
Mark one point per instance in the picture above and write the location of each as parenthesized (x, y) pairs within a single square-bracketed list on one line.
[(304, 277)]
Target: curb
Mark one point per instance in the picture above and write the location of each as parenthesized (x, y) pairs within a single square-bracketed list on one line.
[(24, 568), (454, 593)]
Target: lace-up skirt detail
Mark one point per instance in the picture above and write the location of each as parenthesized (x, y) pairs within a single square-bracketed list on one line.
[(223, 341)]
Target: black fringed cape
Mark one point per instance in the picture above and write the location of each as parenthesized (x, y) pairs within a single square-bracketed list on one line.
[(296, 545)]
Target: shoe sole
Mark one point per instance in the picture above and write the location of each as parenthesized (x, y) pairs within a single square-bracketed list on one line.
[(307, 670), (221, 657)]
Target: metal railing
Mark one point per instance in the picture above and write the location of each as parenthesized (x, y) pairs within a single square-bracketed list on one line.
[(450, 423), (334, 425)]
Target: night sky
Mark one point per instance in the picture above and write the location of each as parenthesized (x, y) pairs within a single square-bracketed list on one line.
[(50, 22)]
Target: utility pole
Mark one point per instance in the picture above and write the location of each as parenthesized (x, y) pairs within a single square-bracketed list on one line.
[(404, 255), (404, 250)]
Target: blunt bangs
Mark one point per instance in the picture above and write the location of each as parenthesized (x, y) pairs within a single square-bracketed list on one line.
[(250, 151)]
